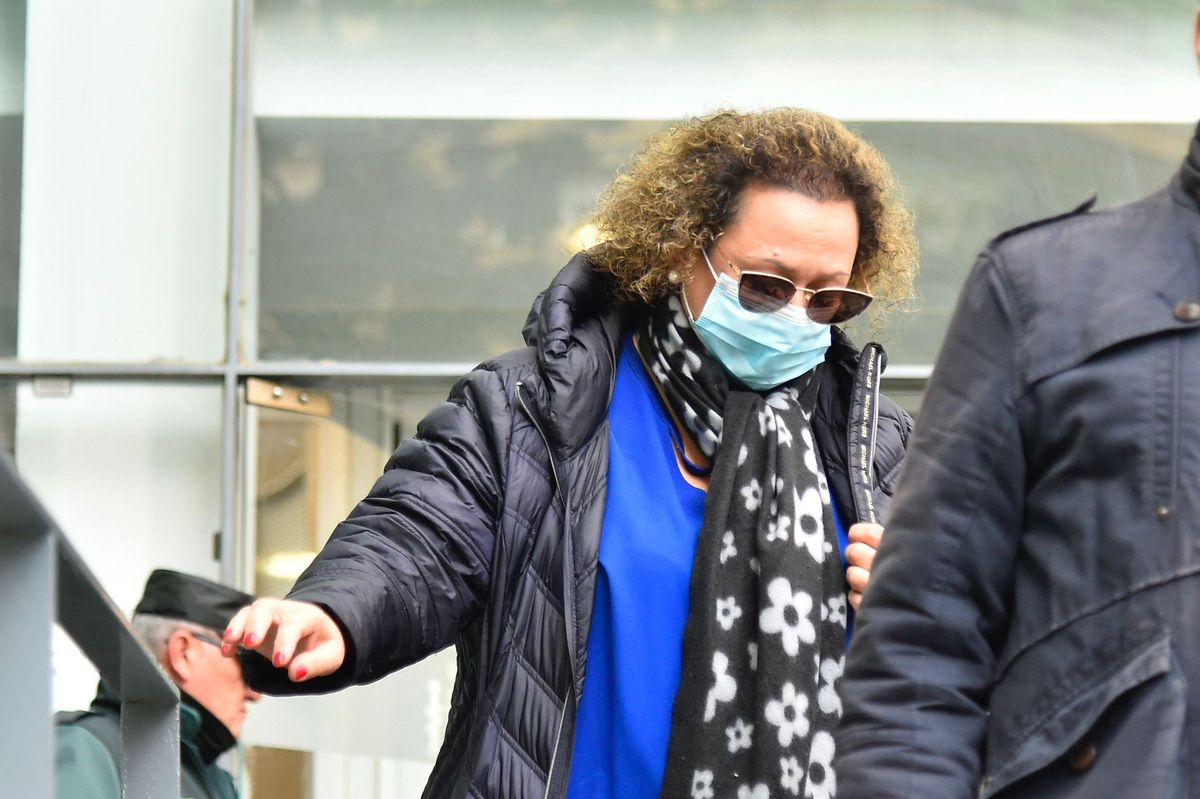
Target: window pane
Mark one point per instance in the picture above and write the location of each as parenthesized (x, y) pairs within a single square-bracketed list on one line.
[(126, 172), (420, 239), (131, 473), (428, 239), (969, 182)]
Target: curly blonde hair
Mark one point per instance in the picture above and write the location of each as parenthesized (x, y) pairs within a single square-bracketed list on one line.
[(683, 189)]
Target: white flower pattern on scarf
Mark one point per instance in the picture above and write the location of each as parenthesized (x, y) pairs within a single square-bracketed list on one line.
[(788, 616), (822, 783), (702, 784), (790, 774), (810, 529), (728, 548), (753, 495), (728, 612), (834, 610), (828, 698), (741, 735), (724, 686), (789, 713)]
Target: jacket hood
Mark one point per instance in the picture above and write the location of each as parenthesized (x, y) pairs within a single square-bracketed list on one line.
[(575, 327)]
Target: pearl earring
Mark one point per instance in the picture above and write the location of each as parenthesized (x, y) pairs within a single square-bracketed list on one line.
[(672, 276)]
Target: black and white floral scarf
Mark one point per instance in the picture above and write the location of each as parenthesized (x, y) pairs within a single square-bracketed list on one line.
[(763, 647)]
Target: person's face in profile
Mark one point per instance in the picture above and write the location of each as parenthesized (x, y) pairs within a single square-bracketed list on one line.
[(214, 681)]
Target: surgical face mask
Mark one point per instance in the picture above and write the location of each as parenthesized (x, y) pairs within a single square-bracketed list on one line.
[(763, 350)]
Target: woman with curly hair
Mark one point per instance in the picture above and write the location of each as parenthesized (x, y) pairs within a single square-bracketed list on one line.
[(643, 530)]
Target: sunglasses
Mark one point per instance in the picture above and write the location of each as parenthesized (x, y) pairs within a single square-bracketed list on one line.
[(212, 639), (763, 292)]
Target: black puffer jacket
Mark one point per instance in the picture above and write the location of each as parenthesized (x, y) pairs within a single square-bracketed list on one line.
[(464, 540)]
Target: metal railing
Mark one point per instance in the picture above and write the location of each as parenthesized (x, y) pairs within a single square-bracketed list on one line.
[(42, 577)]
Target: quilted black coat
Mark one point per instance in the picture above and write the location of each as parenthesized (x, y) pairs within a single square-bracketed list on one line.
[(484, 530)]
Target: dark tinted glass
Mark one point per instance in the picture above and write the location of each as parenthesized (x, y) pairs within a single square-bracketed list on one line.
[(764, 293)]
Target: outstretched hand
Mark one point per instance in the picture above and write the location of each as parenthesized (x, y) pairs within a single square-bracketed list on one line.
[(860, 557), (298, 636)]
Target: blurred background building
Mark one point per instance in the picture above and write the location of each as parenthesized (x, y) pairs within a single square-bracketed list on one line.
[(244, 246)]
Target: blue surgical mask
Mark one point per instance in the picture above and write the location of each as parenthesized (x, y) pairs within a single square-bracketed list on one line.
[(763, 350)]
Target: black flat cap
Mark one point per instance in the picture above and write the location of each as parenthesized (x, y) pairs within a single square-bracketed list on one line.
[(191, 598)]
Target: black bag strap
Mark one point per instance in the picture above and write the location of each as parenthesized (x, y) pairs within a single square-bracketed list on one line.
[(862, 429)]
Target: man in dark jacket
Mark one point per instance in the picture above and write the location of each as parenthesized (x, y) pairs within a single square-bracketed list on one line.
[(1031, 627), (179, 618)]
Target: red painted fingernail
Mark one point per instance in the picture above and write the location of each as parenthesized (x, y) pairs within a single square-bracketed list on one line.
[(301, 673), (278, 660), (226, 649), (228, 632), (250, 639)]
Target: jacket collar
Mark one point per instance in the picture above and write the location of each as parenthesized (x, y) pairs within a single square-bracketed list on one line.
[(198, 728), (1186, 185), (575, 326)]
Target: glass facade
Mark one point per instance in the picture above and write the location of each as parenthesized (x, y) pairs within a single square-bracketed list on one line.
[(401, 240), (367, 194), (420, 240)]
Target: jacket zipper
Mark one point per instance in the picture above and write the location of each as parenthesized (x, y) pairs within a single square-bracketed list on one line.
[(557, 741), (562, 497), (549, 452), (566, 511)]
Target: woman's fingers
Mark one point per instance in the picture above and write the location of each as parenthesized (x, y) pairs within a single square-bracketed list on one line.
[(259, 632), (250, 628), (857, 577), (866, 533), (860, 555), (307, 642), (298, 636), (232, 637), (324, 656), (287, 635), (860, 559)]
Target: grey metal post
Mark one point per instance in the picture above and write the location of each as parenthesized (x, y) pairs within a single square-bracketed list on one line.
[(40, 572), (149, 735), (26, 620)]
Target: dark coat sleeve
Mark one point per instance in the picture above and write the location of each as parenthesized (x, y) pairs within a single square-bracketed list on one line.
[(409, 567), (917, 680)]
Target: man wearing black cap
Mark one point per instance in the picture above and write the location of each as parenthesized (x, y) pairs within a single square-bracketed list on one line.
[(179, 618)]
